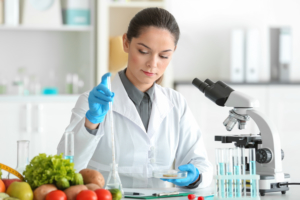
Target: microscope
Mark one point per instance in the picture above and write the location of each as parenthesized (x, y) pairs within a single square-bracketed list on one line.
[(269, 154)]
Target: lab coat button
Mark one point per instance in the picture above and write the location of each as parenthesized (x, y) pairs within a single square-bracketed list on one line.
[(152, 160)]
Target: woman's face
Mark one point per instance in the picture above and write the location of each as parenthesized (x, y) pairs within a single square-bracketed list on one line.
[(148, 56)]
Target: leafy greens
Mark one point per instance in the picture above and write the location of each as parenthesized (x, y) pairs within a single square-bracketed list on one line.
[(44, 169)]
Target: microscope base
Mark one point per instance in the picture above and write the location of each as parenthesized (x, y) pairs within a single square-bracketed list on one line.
[(267, 184)]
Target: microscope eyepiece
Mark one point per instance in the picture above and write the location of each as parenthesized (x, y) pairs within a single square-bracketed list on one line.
[(209, 82), (217, 92), (199, 84)]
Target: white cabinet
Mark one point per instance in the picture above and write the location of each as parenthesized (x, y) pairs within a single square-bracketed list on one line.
[(49, 53), (42, 120), (279, 102)]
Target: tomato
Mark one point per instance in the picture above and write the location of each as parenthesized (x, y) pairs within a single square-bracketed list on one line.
[(86, 195), (103, 194), (2, 186), (56, 195)]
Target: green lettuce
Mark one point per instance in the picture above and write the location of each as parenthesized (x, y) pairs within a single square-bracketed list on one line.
[(44, 169)]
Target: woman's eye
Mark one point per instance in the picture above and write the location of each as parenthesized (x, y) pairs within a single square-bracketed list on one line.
[(164, 57), (143, 52)]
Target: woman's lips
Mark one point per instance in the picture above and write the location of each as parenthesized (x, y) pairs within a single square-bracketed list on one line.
[(148, 73)]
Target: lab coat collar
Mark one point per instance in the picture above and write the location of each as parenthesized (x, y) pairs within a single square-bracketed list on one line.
[(123, 105), (161, 106)]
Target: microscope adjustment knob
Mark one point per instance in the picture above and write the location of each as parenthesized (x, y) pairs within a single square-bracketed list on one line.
[(263, 156)]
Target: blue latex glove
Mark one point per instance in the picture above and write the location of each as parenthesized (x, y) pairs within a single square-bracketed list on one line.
[(192, 176), (99, 99)]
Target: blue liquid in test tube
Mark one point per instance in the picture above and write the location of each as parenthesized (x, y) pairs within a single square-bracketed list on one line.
[(252, 163), (220, 162), (70, 158), (222, 172), (69, 146)]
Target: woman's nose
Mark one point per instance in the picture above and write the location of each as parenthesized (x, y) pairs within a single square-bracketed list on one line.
[(152, 62)]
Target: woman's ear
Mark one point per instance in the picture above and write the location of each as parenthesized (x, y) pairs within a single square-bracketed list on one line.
[(125, 43), (175, 48)]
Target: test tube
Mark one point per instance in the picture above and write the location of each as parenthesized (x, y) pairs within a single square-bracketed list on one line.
[(217, 172), (69, 145), (237, 171), (229, 169), (221, 170), (243, 171), (252, 164)]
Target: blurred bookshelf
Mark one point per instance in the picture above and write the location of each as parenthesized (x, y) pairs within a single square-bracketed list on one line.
[(46, 28), (137, 4)]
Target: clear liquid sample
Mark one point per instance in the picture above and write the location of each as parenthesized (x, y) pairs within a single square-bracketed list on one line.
[(113, 180), (253, 182), (243, 170), (112, 186), (222, 182), (22, 157), (70, 158), (237, 188)]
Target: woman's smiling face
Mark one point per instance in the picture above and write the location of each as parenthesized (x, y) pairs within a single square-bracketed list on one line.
[(148, 56)]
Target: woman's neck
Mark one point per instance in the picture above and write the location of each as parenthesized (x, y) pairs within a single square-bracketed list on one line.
[(140, 86)]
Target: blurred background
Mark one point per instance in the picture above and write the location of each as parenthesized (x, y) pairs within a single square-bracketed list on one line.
[(53, 50)]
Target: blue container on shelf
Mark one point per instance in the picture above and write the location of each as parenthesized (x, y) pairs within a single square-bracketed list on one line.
[(50, 91), (77, 17), (77, 12)]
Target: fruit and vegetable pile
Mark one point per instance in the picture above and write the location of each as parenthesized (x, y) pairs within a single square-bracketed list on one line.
[(54, 178)]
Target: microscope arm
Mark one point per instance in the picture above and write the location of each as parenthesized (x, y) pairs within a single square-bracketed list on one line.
[(270, 140)]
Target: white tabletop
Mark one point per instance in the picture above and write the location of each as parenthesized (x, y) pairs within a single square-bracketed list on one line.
[(292, 194)]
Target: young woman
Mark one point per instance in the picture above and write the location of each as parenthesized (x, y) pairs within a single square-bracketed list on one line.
[(153, 125)]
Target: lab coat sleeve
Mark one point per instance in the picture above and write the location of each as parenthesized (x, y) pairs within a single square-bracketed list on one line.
[(84, 142), (191, 147)]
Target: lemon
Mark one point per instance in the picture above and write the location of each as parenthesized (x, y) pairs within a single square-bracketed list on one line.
[(116, 194)]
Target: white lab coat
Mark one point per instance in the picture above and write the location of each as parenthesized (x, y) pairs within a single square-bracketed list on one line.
[(172, 134)]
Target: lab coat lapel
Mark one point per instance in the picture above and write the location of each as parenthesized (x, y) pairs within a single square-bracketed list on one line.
[(123, 104), (161, 106)]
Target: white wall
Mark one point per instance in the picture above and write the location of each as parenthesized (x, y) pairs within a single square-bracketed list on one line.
[(203, 50)]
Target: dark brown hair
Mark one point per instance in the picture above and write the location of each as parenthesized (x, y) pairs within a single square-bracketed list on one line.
[(156, 17)]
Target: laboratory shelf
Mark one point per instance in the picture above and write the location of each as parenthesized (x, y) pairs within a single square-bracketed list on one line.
[(38, 98), (46, 28), (138, 4)]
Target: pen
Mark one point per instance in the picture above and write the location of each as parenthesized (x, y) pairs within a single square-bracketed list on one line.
[(164, 194), (133, 193)]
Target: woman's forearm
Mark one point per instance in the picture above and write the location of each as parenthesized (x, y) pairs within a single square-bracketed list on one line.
[(90, 125)]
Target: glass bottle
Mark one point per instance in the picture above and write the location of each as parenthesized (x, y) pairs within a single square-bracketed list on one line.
[(114, 181), (69, 145), (22, 157)]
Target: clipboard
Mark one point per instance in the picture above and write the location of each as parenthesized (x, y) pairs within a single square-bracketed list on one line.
[(157, 197)]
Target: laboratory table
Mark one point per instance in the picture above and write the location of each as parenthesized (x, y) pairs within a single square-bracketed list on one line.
[(292, 194)]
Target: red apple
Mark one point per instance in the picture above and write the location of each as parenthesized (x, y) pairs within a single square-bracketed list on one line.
[(7, 182)]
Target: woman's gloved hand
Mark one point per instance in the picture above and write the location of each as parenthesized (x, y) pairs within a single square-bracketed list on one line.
[(99, 99), (192, 176)]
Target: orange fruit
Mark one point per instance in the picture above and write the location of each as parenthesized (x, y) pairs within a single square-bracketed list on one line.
[(2, 186)]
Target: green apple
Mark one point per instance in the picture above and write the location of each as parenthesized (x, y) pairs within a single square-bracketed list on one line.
[(21, 190)]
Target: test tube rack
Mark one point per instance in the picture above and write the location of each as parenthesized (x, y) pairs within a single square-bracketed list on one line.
[(234, 180)]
